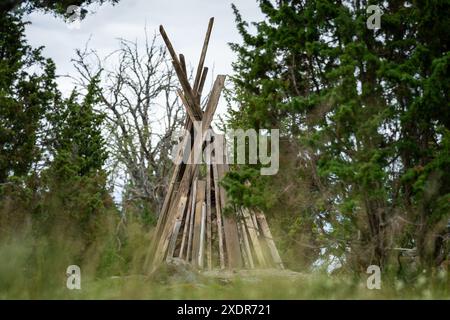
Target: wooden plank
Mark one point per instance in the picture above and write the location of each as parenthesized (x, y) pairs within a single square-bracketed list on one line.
[(169, 195), (182, 77), (254, 237), (202, 83), (232, 242), (211, 107), (191, 222), (168, 44), (230, 229), (183, 64), (202, 237), (203, 54), (200, 198), (269, 239), (208, 116), (241, 243), (194, 159), (173, 239), (192, 115), (246, 241), (187, 90), (255, 222), (208, 217), (180, 210), (218, 214), (176, 230), (187, 220)]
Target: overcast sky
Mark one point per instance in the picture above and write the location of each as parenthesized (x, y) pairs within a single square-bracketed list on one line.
[(184, 21)]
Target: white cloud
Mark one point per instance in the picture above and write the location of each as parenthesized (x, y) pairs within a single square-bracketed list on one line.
[(185, 23)]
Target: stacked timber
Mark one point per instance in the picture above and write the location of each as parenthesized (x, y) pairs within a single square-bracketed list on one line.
[(193, 224)]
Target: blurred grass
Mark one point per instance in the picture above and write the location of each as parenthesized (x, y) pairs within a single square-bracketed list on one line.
[(312, 287), (19, 285), (35, 268)]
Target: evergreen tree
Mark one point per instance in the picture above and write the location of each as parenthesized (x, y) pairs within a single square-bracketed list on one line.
[(77, 193), (367, 112), (52, 152), (27, 91), (77, 137)]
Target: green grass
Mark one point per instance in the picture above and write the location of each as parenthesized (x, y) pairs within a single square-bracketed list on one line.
[(310, 286), (33, 268)]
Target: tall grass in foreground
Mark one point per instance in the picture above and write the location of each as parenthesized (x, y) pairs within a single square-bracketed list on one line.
[(34, 268)]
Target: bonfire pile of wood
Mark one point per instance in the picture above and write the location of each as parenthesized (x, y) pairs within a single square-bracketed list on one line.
[(193, 224)]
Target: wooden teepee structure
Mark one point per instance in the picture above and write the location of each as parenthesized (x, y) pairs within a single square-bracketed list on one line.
[(192, 224)]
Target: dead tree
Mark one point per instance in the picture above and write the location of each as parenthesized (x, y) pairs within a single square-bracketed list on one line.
[(142, 115)]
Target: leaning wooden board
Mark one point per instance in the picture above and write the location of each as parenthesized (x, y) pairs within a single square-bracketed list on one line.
[(200, 199), (229, 227), (269, 239)]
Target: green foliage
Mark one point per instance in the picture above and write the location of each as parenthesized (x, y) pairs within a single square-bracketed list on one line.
[(364, 158), (79, 148), (25, 96), (242, 193), (53, 189), (58, 7), (366, 114)]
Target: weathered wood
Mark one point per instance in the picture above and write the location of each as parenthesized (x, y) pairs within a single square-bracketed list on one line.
[(168, 44), (169, 195), (255, 222), (241, 243), (184, 237), (173, 54), (182, 77), (202, 83), (191, 222), (213, 101), (173, 239), (180, 210), (254, 237), (183, 64), (162, 219), (230, 229), (187, 90), (246, 241), (191, 113), (203, 54), (196, 154), (269, 239), (208, 217), (218, 213), (194, 159), (201, 249), (200, 198), (188, 202)]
